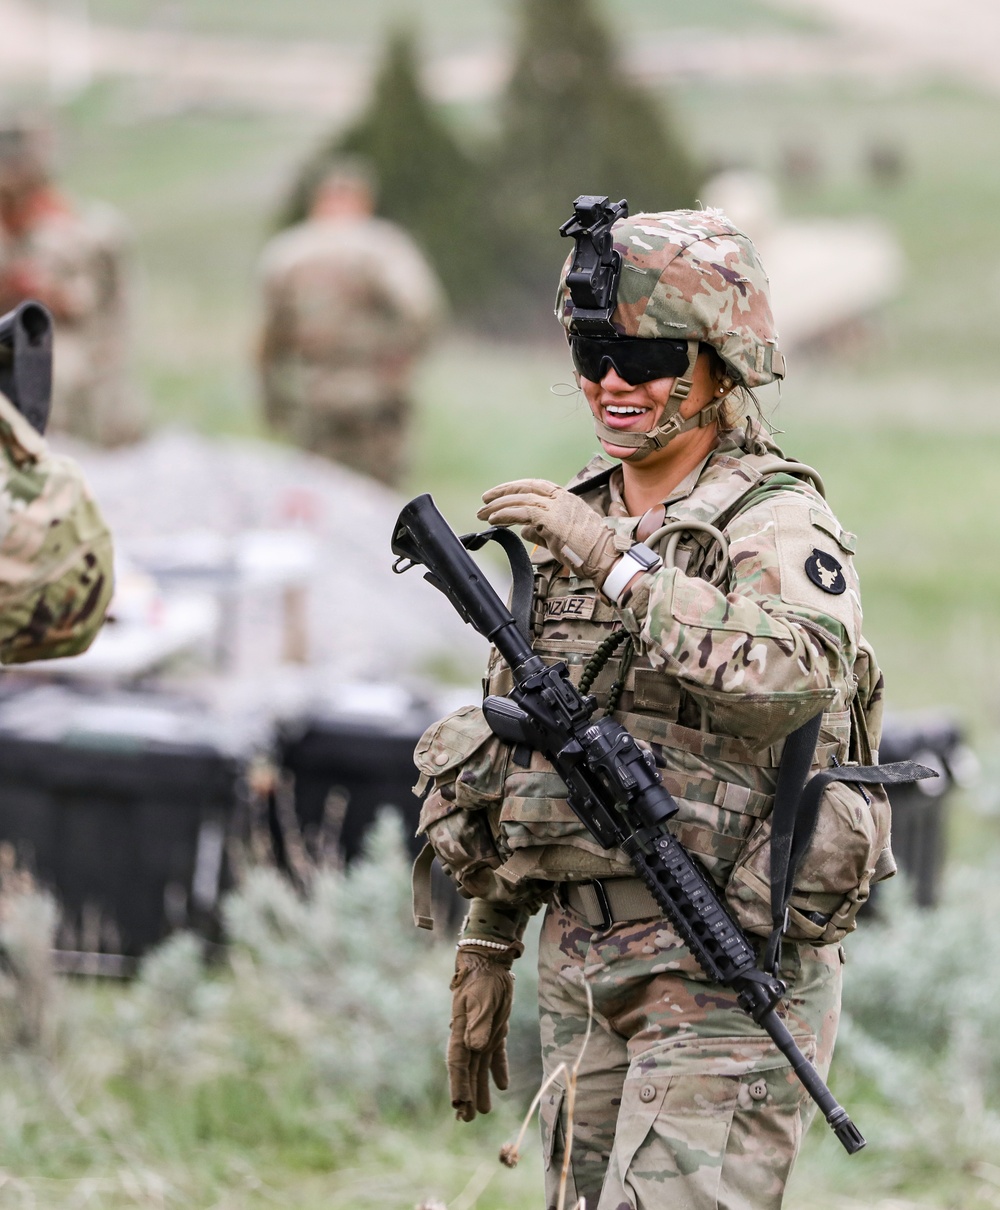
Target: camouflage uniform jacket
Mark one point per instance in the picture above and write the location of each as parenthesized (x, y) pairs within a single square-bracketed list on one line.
[(732, 651), (56, 571)]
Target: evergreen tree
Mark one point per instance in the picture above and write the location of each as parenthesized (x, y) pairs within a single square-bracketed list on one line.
[(425, 180), (573, 123)]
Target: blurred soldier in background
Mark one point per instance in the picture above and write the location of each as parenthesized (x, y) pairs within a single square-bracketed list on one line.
[(73, 261), (349, 304)]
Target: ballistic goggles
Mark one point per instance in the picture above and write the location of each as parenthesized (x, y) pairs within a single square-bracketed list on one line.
[(634, 359)]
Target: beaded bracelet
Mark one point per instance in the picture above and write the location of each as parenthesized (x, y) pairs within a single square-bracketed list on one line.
[(491, 945)]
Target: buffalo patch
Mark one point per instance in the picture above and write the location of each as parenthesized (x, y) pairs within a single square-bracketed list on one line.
[(826, 572)]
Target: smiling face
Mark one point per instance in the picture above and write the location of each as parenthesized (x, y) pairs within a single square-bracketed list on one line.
[(638, 409)]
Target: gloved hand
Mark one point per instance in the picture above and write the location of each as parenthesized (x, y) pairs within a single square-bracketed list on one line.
[(482, 995), (556, 519)]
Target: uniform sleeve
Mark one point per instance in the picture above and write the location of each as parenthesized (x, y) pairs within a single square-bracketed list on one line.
[(762, 655), (410, 288), (68, 276), (277, 272), (274, 337), (490, 921), (113, 260), (56, 573)]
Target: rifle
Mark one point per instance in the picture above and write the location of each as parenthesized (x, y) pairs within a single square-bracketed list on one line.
[(613, 785), (26, 361)]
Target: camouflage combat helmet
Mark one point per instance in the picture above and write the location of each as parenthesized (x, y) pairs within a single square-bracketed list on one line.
[(688, 275)]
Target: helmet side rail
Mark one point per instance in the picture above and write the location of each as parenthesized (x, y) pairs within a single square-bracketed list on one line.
[(613, 787)]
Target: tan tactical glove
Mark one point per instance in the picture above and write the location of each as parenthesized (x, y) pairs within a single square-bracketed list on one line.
[(557, 519), (482, 995)]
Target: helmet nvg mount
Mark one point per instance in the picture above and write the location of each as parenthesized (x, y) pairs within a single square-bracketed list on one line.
[(592, 277), (688, 275)]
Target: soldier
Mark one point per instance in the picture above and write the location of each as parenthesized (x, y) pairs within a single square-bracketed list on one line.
[(56, 573), (727, 588), (349, 304), (74, 261)]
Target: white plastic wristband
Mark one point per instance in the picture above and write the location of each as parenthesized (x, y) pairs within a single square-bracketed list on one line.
[(638, 558)]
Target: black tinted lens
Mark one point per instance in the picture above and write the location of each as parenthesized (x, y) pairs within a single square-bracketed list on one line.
[(637, 361)]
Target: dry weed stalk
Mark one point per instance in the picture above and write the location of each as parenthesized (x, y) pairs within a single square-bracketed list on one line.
[(331, 827), (510, 1153), (28, 924), (474, 1189), (987, 1172), (270, 803), (306, 853), (258, 848), (300, 865)]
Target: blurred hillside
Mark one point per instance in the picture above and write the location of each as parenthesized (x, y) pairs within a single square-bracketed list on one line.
[(447, 22)]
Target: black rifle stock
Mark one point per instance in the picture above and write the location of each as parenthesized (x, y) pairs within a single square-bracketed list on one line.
[(613, 784), (26, 361)]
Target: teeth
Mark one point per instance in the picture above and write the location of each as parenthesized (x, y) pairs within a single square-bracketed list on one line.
[(624, 411)]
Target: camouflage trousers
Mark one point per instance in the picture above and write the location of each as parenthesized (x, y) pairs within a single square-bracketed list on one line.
[(373, 441), (681, 1101)]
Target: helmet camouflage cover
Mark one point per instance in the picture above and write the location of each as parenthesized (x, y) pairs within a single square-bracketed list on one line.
[(693, 275)]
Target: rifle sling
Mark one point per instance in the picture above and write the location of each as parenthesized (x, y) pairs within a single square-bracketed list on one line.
[(522, 575), (786, 822), (796, 809)]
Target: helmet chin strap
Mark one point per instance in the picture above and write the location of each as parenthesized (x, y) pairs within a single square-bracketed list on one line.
[(670, 424)]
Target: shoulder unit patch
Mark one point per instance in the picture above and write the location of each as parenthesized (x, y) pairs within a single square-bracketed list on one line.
[(826, 572)]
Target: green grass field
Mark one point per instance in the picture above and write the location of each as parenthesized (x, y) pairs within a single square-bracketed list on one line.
[(305, 1067)]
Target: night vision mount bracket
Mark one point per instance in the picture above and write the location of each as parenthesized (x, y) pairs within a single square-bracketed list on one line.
[(593, 276)]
